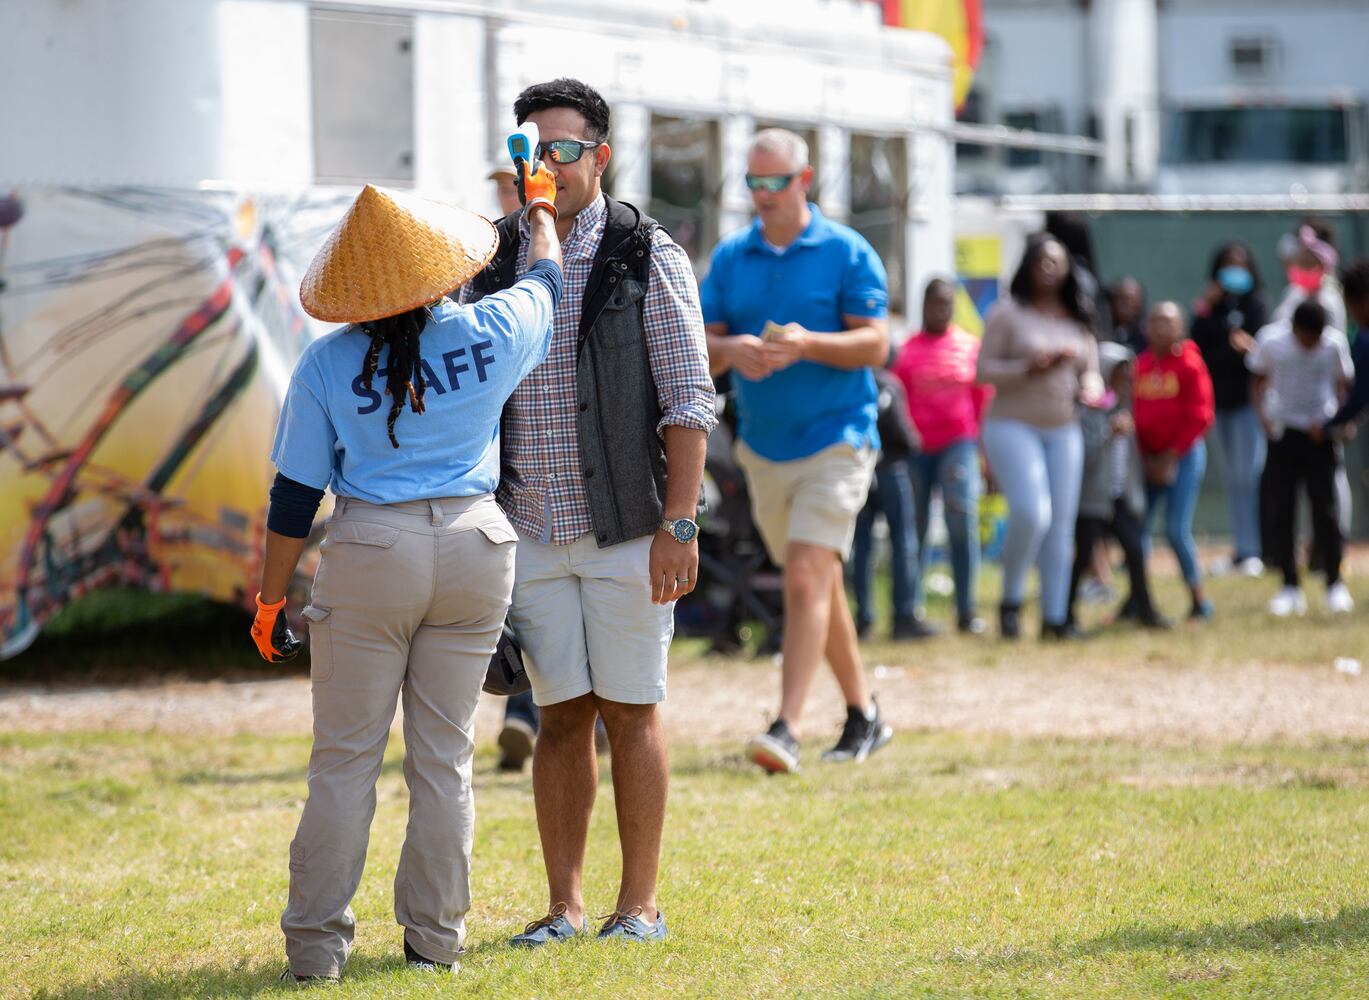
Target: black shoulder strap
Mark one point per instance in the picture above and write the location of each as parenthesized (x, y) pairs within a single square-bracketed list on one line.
[(625, 249), (500, 271)]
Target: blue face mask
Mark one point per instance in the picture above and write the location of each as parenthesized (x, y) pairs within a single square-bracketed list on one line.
[(1235, 280)]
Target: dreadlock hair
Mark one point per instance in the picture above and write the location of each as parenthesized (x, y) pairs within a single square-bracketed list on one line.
[(404, 368)]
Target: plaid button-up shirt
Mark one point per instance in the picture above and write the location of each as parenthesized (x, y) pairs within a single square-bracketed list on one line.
[(542, 491)]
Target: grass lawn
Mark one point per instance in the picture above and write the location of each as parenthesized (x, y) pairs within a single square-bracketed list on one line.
[(144, 865)]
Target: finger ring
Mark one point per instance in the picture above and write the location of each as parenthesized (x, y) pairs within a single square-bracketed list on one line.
[(682, 579)]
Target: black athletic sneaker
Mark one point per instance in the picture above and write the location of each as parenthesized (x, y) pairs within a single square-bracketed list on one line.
[(776, 750), (914, 627), (1009, 621), (860, 737), (416, 961)]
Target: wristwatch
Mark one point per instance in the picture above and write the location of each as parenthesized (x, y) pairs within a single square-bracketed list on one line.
[(683, 530)]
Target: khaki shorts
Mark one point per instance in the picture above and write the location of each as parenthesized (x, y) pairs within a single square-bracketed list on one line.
[(586, 622), (813, 500)]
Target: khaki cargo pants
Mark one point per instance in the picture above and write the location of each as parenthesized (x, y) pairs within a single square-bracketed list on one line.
[(409, 599)]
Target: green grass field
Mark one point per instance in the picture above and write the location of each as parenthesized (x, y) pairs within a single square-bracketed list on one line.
[(142, 864), (148, 866)]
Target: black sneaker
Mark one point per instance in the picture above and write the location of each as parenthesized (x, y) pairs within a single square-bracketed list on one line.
[(1063, 632), (860, 737), (971, 625), (416, 961), (1009, 621), (776, 750), (914, 628)]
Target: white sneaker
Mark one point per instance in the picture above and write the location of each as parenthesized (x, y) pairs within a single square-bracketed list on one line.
[(1288, 601), (1338, 599), (1220, 566), (1251, 566)]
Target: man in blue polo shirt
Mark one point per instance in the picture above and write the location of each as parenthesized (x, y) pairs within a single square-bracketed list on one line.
[(795, 305)]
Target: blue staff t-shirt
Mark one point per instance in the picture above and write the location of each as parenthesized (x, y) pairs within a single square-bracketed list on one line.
[(332, 431), (829, 272)]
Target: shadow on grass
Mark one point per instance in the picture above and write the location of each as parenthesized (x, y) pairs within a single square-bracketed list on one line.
[(251, 981), (208, 981), (1349, 927), (287, 774), (122, 636)]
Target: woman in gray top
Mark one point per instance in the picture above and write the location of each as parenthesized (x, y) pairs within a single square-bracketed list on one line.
[(1040, 353)]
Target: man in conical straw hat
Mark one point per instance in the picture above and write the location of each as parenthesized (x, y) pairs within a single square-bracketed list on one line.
[(417, 565)]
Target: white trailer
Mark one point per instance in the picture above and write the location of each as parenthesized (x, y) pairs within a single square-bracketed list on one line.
[(168, 168)]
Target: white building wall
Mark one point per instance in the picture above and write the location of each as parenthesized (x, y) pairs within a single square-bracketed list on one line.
[(1322, 46), (1039, 59)]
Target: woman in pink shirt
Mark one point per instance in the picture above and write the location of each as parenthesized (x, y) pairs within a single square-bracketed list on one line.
[(937, 369)]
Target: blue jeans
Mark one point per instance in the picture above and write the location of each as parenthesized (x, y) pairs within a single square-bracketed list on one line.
[(1039, 470), (523, 707), (1180, 498), (1243, 446), (891, 495), (955, 471)]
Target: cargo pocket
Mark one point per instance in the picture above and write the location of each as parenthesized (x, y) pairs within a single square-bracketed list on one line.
[(381, 536), (320, 642), (498, 532)]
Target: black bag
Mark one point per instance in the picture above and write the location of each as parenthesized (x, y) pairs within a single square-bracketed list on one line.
[(506, 675)]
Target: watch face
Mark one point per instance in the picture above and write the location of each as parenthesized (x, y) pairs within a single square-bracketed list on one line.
[(685, 530)]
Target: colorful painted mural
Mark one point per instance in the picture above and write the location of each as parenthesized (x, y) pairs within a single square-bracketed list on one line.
[(146, 337)]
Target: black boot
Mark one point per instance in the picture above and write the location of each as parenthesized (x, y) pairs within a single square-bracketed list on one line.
[(1009, 624), (1063, 631)]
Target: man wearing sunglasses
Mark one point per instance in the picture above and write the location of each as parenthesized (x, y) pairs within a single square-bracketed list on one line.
[(796, 305), (603, 456)]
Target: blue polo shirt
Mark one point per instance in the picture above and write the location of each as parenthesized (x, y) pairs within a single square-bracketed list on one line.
[(829, 272), (332, 431)]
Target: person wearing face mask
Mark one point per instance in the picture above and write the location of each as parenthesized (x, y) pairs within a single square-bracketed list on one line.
[(1310, 259), (1225, 316), (1173, 412)]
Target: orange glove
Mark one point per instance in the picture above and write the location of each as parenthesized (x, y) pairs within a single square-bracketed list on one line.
[(537, 190), (271, 632)]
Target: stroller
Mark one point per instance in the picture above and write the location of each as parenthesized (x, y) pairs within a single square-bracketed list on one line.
[(738, 583)]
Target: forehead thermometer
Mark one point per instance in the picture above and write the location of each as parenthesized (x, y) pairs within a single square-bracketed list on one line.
[(523, 146)]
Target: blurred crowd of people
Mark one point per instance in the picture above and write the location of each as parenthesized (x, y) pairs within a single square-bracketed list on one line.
[(1091, 410)]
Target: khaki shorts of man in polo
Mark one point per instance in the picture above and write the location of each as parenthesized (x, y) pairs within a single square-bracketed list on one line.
[(814, 499)]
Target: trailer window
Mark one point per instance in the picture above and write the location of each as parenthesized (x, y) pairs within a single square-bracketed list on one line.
[(879, 182), (363, 97), (685, 161), (1258, 135)]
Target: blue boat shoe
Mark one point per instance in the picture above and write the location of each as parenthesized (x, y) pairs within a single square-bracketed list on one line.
[(628, 925), (555, 926)]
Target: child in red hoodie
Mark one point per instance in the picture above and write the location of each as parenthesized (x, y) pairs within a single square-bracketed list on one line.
[(1173, 410)]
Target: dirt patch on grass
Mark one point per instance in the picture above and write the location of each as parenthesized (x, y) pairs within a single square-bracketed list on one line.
[(717, 702)]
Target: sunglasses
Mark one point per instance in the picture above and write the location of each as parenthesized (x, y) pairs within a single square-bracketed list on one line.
[(564, 150), (769, 182)]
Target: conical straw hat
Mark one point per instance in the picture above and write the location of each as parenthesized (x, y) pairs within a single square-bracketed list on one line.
[(393, 252)]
